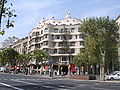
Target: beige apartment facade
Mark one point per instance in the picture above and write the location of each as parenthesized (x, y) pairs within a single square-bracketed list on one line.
[(63, 39), (21, 45)]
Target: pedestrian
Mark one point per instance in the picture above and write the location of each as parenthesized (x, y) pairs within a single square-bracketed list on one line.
[(55, 72)]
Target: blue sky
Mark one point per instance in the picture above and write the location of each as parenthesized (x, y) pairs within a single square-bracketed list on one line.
[(29, 12)]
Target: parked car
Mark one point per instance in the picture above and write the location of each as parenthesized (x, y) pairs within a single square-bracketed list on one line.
[(116, 72), (114, 76), (2, 69)]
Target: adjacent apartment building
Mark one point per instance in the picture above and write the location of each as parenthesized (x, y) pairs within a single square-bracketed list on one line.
[(21, 45), (7, 43)]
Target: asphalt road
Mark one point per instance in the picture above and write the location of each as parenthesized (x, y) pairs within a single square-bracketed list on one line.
[(24, 82)]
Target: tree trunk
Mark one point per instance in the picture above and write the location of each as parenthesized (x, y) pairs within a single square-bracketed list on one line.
[(102, 68), (93, 70), (79, 70), (102, 73)]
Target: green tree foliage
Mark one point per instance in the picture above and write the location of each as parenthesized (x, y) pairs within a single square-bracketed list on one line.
[(7, 14), (101, 41), (81, 59), (104, 34), (40, 55), (24, 59), (10, 56), (2, 61)]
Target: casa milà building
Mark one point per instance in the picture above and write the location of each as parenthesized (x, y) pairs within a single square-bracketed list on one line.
[(63, 39)]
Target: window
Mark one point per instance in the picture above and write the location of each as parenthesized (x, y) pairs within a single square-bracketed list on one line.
[(64, 58), (46, 36), (72, 44), (81, 43), (42, 38), (55, 50), (72, 51), (37, 46), (37, 39), (67, 20), (37, 33), (81, 36), (70, 36), (61, 31), (52, 37), (66, 30), (79, 30), (45, 43), (55, 30), (64, 37), (46, 30), (72, 29), (41, 31), (33, 34), (57, 37), (54, 43), (63, 44), (76, 36)]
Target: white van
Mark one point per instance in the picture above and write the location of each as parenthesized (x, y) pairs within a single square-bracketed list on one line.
[(114, 76)]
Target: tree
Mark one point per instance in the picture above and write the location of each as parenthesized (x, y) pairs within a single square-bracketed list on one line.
[(8, 14), (2, 61), (24, 59), (10, 56), (85, 59), (40, 55), (101, 41), (81, 60)]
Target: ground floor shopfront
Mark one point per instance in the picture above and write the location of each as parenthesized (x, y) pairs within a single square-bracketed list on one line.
[(46, 69)]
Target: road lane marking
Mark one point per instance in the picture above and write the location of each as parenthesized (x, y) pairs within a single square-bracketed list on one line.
[(32, 84), (25, 82), (7, 85), (102, 88), (44, 86)]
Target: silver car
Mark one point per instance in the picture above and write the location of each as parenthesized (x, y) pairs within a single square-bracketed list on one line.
[(113, 76)]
